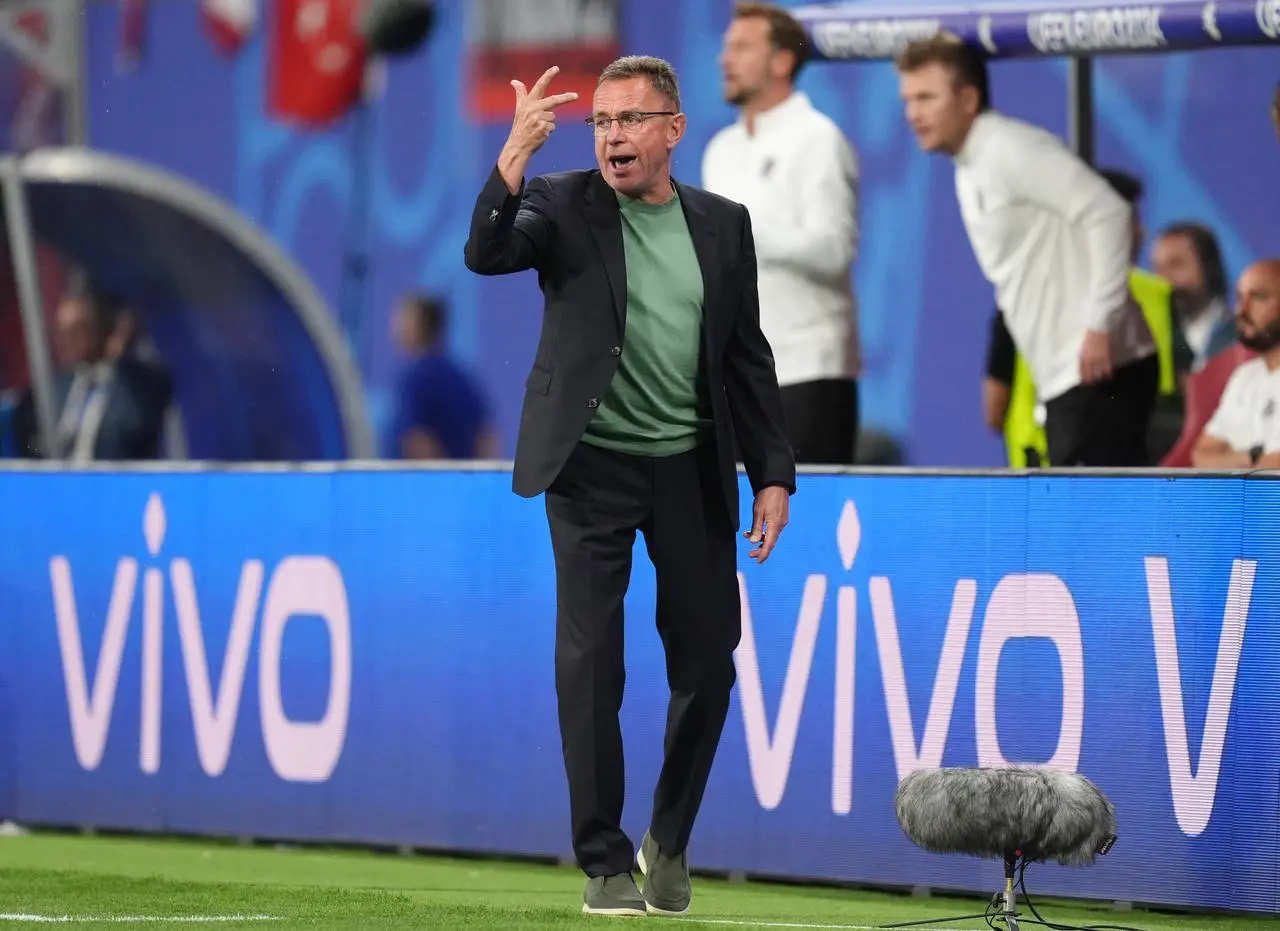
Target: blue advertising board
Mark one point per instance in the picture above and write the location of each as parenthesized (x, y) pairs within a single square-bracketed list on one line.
[(1011, 29), (366, 656)]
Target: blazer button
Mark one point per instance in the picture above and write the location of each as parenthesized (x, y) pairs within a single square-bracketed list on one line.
[(615, 351), (593, 403)]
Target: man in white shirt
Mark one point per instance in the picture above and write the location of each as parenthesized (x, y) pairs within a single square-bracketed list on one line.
[(1055, 240), (797, 175), (1245, 429)]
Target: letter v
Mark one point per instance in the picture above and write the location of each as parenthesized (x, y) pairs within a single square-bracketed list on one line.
[(938, 721), (214, 719), (1193, 795), (770, 759), (91, 717)]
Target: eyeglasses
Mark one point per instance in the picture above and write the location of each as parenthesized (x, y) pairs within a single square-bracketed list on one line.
[(629, 121)]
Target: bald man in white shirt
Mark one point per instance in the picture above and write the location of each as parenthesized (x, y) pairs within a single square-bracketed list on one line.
[(797, 175), (1055, 240), (1244, 430)]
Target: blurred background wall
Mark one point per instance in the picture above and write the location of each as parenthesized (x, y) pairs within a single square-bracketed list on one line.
[(1193, 127)]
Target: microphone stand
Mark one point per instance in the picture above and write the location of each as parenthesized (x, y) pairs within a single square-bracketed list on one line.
[(1010, 891)]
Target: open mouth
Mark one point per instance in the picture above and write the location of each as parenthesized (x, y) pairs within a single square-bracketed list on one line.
[(621, 161)]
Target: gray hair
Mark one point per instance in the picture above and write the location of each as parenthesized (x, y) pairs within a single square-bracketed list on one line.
[(661, 75)]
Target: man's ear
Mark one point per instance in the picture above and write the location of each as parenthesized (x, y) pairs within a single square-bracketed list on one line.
[(782, 64), (678, 126)]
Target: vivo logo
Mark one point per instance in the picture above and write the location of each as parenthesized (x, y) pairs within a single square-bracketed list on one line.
[(299, 751), (1005, 619)]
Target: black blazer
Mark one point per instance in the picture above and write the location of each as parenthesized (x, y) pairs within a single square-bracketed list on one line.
[(568, 228), (132, 426)]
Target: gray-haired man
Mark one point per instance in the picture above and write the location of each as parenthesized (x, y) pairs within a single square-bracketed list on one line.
[(650, 361)]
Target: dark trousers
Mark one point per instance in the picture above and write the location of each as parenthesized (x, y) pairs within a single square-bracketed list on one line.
[(822, 420), (594, 508), (1105, 425)]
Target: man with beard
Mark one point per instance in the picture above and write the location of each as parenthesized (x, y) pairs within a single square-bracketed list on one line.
[(1245, 429), (1187, 255), (797, 174)]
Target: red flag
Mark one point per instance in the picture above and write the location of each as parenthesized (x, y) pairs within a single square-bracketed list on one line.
[(317, 60), (133, 34), (229, 23)]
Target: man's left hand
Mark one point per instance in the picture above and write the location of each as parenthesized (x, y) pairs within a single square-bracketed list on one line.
[(770, 513)]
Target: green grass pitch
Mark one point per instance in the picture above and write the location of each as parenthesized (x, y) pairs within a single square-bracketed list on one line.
[(50, 880)]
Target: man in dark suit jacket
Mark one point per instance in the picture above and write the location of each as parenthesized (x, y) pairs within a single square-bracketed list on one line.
[(112, 399), (650, 363)]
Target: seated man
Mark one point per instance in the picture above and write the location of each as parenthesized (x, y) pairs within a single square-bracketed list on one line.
[(1245, 429), (441, 411), (112, 404)]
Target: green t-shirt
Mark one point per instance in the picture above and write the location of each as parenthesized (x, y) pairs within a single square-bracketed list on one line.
[(656, 404)]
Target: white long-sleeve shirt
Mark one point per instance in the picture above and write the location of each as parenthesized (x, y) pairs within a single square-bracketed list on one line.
[(1055, 240), (797, 176)]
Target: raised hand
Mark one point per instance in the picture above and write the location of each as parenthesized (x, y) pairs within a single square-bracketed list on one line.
[(535, 118)]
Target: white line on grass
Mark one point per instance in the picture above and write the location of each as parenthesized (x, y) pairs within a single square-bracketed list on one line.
[(134, 919), (805, 927)]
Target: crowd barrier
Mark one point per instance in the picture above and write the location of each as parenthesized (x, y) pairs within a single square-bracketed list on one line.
[(366, 656)]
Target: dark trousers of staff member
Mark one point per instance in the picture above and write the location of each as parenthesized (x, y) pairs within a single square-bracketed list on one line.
[(1105, 425), (650, 362), (822, 420)]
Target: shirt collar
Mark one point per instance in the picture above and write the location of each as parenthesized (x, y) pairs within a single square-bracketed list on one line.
[(796, 102), (983, 126), (94, 373)]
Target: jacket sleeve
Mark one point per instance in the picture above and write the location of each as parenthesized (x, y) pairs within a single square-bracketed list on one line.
[(509, 232), (751, 385)]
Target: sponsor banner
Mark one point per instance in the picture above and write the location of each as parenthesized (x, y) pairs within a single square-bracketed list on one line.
[(519, 41), (366, 656), (1004, 30)]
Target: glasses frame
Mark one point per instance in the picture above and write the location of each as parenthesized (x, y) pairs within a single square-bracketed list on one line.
[(595, 122)]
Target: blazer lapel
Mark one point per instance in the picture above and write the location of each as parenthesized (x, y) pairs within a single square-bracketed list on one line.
[(606, 228), (703, 233)]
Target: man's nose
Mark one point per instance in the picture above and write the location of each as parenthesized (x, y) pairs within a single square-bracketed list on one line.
[(615, 132)]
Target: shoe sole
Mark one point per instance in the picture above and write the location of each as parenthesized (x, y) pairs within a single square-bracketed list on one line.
[(649, 906), (622, 912)]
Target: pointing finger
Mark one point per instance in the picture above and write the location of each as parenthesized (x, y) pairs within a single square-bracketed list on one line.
[(556, 100), (540, 88)]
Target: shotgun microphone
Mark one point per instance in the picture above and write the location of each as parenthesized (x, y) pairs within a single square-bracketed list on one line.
[(1010, 814)]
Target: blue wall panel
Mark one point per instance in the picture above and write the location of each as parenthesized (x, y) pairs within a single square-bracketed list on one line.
[(367, 656), (925, 307)]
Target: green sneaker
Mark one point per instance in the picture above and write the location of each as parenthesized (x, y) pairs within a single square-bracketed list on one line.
[(616, 896), (667, 890)]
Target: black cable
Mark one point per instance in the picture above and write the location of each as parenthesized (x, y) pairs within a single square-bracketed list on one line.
[(1040, 920), (932, 921), (994, 915)]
